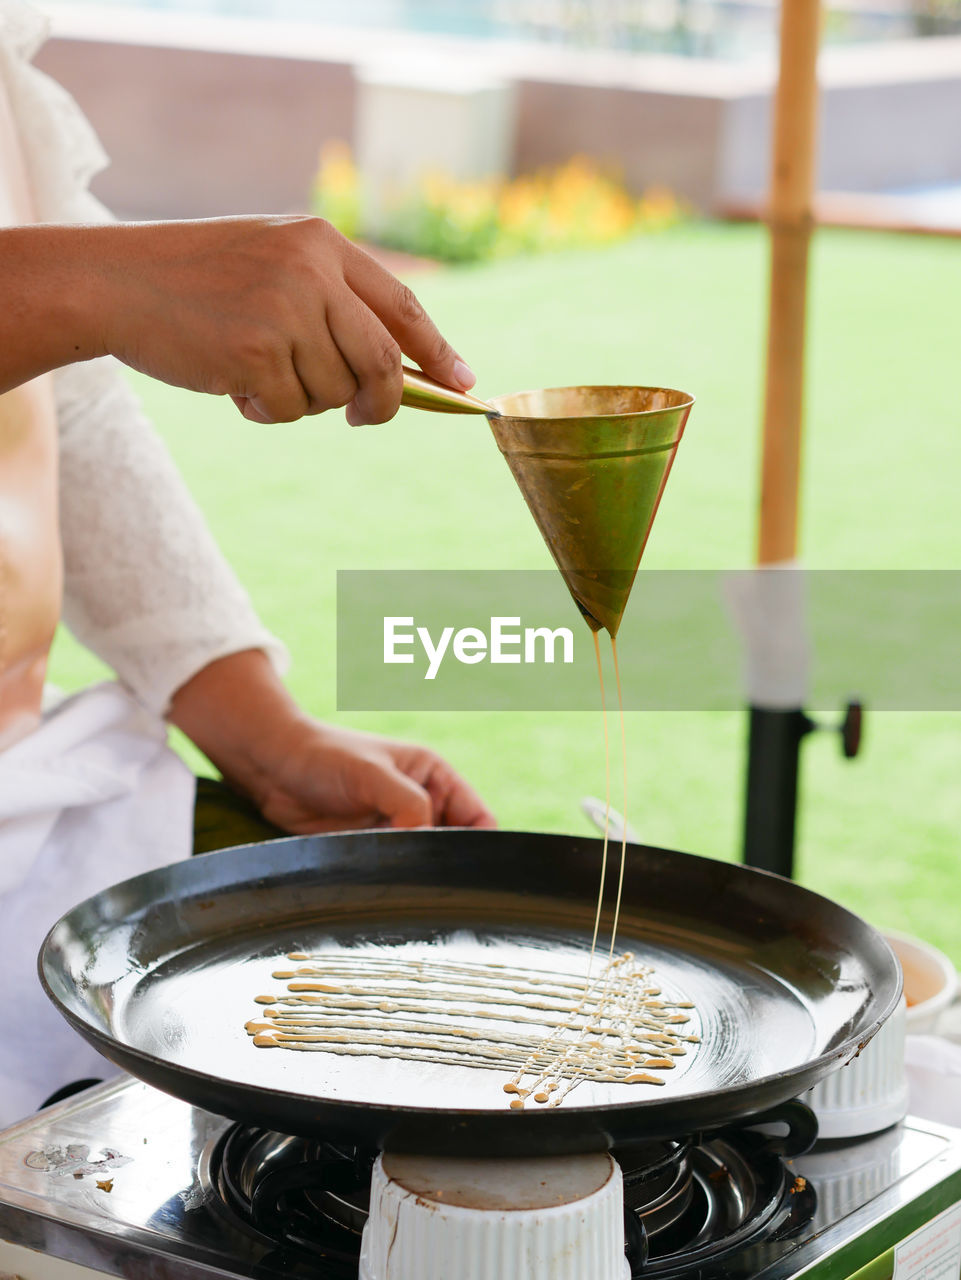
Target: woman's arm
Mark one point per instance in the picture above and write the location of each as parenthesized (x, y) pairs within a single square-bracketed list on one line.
[(148, 590), (280, 313), (305, 776)]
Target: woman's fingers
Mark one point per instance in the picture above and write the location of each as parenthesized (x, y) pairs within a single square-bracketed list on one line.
[(374, 782), (373, 355), (312, 377), (456, 803), (403, 316), (325, 375), (349, 351), (279, 398)]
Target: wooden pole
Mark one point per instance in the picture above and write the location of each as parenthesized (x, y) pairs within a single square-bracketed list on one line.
[(776, 733), (790, 219)]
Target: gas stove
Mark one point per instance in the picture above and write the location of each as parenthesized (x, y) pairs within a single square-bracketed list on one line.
[(125, 1181)]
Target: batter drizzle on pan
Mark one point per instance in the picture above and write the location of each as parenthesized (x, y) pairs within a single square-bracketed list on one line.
[(548, 1031)]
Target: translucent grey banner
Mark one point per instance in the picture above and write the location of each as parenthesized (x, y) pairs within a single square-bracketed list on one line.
[(690, 641)]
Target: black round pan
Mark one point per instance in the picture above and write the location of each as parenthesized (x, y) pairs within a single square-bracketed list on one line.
[(160, 974)]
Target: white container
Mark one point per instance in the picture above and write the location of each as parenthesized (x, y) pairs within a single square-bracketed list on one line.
[(869, 1093), (522, 1219), (930, 981)]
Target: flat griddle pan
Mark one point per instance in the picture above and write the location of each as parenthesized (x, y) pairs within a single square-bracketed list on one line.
[(159, 974)]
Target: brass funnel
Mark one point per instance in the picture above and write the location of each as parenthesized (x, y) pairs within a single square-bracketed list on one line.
[(592, 463)]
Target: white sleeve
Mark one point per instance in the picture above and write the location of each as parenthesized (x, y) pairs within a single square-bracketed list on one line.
[(145, 586)]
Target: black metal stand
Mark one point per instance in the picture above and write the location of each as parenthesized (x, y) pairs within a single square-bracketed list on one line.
[(770, 811)]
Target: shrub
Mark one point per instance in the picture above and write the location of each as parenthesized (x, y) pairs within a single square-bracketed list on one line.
[(574, 206)]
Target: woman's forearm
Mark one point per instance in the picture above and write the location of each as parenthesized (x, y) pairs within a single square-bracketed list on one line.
[(51, 301), (236, 710)]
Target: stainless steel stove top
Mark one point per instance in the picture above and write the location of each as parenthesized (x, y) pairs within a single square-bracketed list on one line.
[(115, 1181)]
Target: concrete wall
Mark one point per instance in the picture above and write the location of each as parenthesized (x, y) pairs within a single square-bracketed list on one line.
[(654, 138), (199, 133), (211, 117), (890, 117)]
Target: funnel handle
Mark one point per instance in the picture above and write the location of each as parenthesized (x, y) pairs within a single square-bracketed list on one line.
[(423, 392)]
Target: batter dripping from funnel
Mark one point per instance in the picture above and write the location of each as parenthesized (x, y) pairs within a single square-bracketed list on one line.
[(607, 802)]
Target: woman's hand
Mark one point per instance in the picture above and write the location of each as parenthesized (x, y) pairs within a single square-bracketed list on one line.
[(321, 778), (280, 313), (305, 776)]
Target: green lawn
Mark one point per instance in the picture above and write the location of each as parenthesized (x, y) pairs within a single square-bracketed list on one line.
[(882, 474)]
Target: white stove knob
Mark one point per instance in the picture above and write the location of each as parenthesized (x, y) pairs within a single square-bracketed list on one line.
[(495, 1219)]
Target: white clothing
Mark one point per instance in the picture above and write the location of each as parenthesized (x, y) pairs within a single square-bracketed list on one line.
[(94, 795), (145, 585)]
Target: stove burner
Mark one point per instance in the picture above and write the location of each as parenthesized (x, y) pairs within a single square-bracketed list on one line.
[(729, 1193), (688, 1204), (277, 1187), (658, 1183)]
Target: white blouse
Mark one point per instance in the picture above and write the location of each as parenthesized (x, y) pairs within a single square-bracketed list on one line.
[(146, 587)]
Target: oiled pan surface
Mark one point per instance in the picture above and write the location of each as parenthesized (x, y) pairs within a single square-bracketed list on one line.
[(161, 974)]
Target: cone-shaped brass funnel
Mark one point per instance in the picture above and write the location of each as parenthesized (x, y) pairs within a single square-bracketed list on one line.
[(592, 463)]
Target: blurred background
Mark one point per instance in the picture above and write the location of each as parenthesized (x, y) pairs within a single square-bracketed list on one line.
[(573, 190)]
